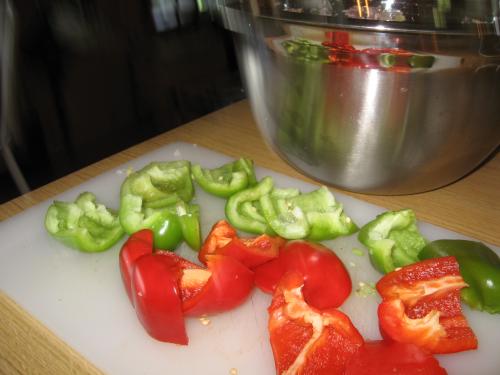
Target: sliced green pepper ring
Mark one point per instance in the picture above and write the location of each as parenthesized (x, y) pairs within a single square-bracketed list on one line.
[(221, 185), (253, 211), (84, 225), (145, 194), (326, 217), (226, 180), (286, 219), (233, 208), (246, 165), (159, 183), (393, 239)]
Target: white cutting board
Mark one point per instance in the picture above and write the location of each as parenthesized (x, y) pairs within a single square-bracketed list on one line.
[(80, 296)]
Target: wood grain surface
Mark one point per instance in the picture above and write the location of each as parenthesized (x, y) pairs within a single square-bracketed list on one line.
[(470, 206)]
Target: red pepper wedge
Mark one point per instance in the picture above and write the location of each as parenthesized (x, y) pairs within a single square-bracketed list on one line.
[(252, 252), (326, 281), (222, 286), (164, 287), (136, 246), (155, 295), (306, 340), (421, 305), (192, 276), (383, 357), (220, 235), (228, 286)]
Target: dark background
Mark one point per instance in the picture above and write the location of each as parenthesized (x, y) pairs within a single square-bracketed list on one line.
[(91, 78)]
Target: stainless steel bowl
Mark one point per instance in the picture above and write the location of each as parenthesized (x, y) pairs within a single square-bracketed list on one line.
[(409, 109)]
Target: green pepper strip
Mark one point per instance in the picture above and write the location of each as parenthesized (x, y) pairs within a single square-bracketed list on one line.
[(84, 225), (246, 165), (286, 219), (315, 215), (253, 211), (233, 207), (146, 192), (226, 180), (393, 239), (220, 184), (479, 266), (189, 219), (161, 183), (325, 216), (278, 193)]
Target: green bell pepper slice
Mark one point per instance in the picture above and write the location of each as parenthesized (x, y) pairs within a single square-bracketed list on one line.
[(226, 180), (315, 216), (189, 220), (155, 198), (253, 210), (177, 223), (393, 239), (247, 166), (145, 192), (326, 217), (239, 217), (479, 266), (84, 224), (286, 219), (167, 230), (160, 184), (280, 193)]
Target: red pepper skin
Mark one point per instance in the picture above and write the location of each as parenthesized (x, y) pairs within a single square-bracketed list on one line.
[(220, 235), (392, 358), (306, 340), (140, 244), (326, 281), (178, 261), (164, 287), (229, 286), (253, 252), (155, 295), (189, 286), (421, 305), (137, 245), (268, 275)]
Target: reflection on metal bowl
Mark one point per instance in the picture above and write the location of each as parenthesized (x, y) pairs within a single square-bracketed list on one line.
[(369, 110)]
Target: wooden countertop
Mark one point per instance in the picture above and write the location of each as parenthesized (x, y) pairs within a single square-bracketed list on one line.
[(470, 206)]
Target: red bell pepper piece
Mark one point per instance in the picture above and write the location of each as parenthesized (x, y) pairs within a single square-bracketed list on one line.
[(155, 295), (137, 245), (164, 287), (220, 235), (421, 305), (228, 286), (306, 340), (326, 281), (192, 277), (252, 252), (383, 357)]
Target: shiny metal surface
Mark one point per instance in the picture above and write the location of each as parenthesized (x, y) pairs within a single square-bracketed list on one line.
[(372, 130)]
